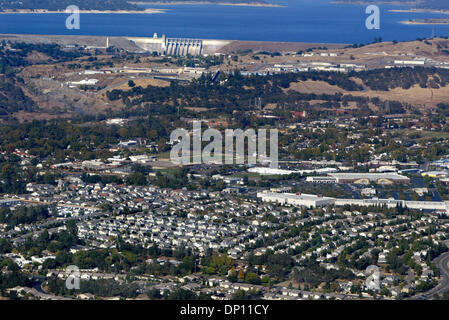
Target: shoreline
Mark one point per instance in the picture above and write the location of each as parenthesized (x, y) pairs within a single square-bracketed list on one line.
[(414, 22), (223, 3), (419, 11), (365, 3), (422, 21), (68, 37), (45, 11)]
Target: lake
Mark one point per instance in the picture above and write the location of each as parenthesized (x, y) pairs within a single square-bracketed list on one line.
[(299, 21)]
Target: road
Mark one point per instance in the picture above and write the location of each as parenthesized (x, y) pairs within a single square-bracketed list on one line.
[(442, 263)]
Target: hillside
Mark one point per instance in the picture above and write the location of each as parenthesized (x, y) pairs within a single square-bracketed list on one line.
[(12, 97), (38, 77)]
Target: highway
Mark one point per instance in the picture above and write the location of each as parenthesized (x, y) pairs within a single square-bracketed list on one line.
[(442, 263)]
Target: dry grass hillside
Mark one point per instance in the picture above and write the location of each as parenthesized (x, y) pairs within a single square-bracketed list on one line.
[(416, 95)]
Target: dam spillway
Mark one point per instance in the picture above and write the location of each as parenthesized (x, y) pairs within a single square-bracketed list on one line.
[(184, 47)]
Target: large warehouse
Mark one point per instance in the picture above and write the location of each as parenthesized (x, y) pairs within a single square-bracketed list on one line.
[(310, 200), (307, 200), (367, 178)]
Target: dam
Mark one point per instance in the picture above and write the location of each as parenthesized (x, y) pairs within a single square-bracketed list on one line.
[(178, 46)]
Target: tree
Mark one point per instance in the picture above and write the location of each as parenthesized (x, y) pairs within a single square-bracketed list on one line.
[(232, 275), (5, 246), (241, 275), (72, 228), (182, 294), (137, 178), (253, 278)]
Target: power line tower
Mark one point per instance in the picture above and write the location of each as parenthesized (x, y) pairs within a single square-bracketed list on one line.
[(257, 102), (387, 107)]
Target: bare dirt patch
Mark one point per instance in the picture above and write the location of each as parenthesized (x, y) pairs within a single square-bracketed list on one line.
[(414, 96), (317, 87), (142, 83)]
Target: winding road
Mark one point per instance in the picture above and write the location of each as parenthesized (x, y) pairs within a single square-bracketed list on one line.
[(442, 263)]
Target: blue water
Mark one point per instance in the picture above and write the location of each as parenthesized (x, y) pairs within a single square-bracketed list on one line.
[(300, 20)]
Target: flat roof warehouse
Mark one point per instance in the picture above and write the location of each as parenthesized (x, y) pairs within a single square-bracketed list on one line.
[(313, 201), (308, 200), (366, 178)]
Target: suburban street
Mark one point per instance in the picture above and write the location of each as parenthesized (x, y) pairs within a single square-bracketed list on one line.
[(442, 262)]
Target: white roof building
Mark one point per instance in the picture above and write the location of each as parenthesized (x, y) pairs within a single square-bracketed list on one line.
[(366, 178), (307, 200)]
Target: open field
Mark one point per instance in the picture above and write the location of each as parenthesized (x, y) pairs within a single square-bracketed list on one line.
[(415, 95)]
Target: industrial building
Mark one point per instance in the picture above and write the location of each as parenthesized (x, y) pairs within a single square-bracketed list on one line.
[(313, 201), (442, 206), (85, 82), (367, 178), (410, 62), (307, 200), (321, 179), (275, 171)]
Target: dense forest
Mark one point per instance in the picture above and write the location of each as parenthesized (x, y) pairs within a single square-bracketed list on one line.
[(13, 277), (54, 5), (12, 97), (11, 180)]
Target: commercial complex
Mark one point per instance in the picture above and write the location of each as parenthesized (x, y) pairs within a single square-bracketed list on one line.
[(367, 178), (313, 201), (307, 200)]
